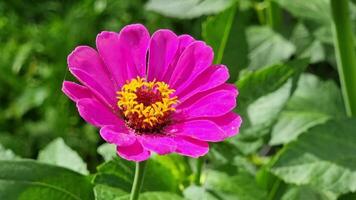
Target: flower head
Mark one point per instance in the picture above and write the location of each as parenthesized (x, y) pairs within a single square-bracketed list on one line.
[(153, 94)]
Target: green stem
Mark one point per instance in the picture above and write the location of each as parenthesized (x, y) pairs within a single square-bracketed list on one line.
[(138, 180), (200, 165), (274, 13), (345, 53)]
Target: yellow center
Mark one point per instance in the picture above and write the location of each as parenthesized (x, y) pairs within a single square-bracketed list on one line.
[(146, 105)]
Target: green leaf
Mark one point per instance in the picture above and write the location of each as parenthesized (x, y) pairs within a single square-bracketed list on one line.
[(303, 193), (253, 85), (307, 46), (120, 173), (6, 154), (194, 192), (216, 31), (154, 196), (107, 151), (267, 47), (323, 157), (238, 187), (185, 9), (314, 102), (30, 180), (316, 10), (104, 192), (58, 153)]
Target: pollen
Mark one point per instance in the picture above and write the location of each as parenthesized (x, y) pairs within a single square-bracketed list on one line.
[(146, 105)]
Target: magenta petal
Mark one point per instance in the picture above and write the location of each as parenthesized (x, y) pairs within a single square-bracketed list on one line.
[(134, 152), (212, 103), (199, 129), (212, 77), (196, 58), (135, 40), (75, 91), (183, 42), (85, 64), (96, 113), (113, 55), (163, 47), (229, 122), (118, 134), (191, 147), (159, 144)]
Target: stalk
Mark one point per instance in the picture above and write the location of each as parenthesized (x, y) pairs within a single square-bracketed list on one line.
[(200, 165), (345, 53), (138, 180), (274, 13)]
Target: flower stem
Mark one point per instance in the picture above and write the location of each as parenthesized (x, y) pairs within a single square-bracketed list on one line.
[(200, 165), (138, 180), (345, 53)]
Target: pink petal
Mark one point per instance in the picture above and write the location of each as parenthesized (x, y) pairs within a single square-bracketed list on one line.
[(118, 134), (211, 103), (163, 47), (159, 144), (124, 53), (199, 129), (195, 59), (134, 152), (75, 91), (135, 39), (229, 122), (113, 55), (183, 42), (86, 65), (212, 77), (96, 113), (191, 147)]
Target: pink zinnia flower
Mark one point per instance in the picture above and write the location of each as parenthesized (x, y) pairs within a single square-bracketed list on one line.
[(153, 94)]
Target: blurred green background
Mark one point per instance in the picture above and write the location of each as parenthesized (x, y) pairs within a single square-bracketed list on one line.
[(296, 141)]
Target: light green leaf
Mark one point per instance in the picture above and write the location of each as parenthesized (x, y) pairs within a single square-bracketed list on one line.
[(58, 153), (216, 31), (267, 47), (30, 180), (185, 9), (316, 10), (104, 192), (323, 157), (238, 187), (195, 192), (314, 102), (107, 151), (6, 154), (154, 196), (307, 46), (305, 193)]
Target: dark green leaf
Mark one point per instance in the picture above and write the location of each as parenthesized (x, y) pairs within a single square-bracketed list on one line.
[(216, 31), (29, 180), (104, 192)]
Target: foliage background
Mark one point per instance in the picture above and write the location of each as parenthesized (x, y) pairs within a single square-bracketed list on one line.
[(296, 141)]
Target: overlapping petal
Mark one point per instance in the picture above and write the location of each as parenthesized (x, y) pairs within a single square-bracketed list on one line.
[(203, 114)]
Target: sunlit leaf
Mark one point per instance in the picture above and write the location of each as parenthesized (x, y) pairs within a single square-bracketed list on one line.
[(323, 157)]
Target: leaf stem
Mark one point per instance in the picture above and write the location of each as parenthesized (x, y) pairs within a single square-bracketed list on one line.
[(345, 53), (274, 13), (138, 180), (200, 165)]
